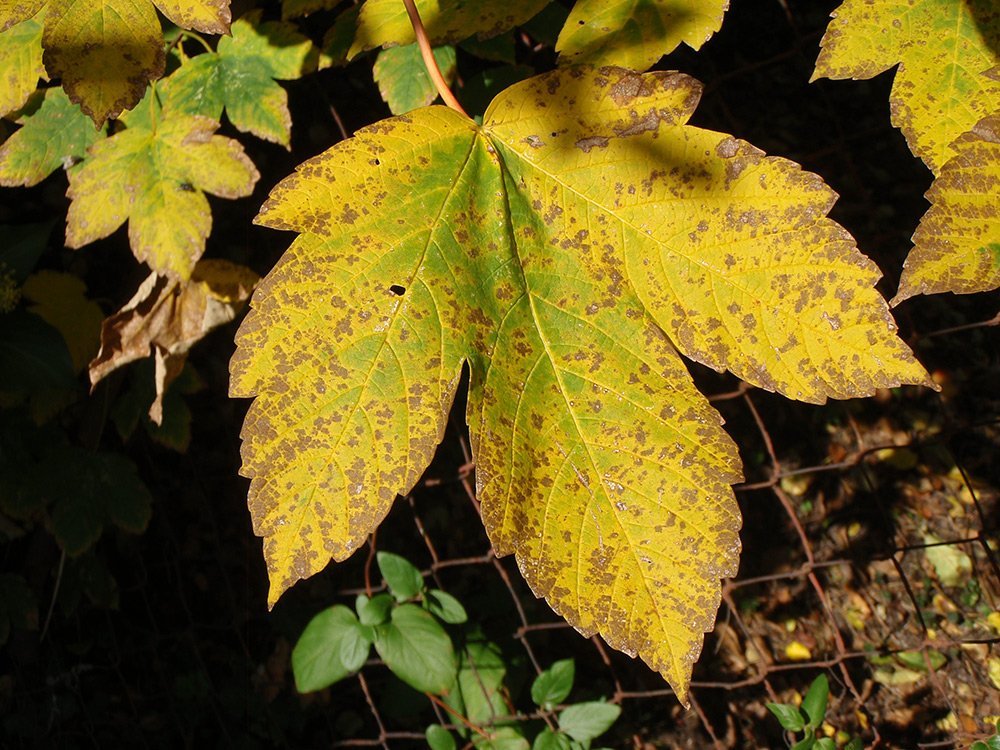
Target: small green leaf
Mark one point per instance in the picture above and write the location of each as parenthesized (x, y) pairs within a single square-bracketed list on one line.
[(788, 715), (416, 648), (56, 134), (979, 745), (355, 646), (553, 685), (549, 740), (814, 703), (478, 693), (373, 611), (404, 580), (855, 744), (317, 659), (915, 659), (504, 738), (240, 76), (585, 721), (439, 738), (403, 80), (445, 607), (825, 743), (993, 743)]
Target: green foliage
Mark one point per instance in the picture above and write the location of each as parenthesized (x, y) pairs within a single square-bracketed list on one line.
[(807, 718), (990, 743), (435, 650)]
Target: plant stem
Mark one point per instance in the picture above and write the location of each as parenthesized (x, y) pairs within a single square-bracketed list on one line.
[(429, 62)]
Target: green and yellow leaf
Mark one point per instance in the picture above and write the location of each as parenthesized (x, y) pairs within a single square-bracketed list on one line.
[(156, 179), (636, 33), (403, 80), (384, 23), (949, 64), (20, 63), (565, 261), (105, 52), (956, 247), (55, 135), (240, 75)]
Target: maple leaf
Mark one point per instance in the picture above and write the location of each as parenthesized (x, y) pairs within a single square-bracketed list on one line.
[(155, 174), (562, 257), (20, 63), (240, 77), (384, 23), (402, 79), (949, 67), (53, 134), (166, 317), (106, 51), (956, 247), (636, 33)]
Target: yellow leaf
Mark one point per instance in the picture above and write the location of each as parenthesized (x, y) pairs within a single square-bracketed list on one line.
[(796, 651), (993, 618), (562, 259), (754, 284), (20, 63), (104, 51), (636, 33), (60, 300), (385, 22), (15, 11), (210, 16), (993, 670), (154, 178), (165, 318), (956, 247), (949, 67)]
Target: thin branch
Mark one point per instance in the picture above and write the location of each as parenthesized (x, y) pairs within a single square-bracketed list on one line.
[(429, 62)]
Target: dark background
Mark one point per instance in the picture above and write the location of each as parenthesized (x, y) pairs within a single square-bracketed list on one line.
[(164, 639)]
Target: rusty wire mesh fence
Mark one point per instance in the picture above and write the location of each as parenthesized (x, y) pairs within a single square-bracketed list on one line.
[(839, 576), (869, 537)]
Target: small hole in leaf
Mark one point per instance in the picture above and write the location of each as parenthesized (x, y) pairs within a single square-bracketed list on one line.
[(377, 162), (187, 187), (398, 290)]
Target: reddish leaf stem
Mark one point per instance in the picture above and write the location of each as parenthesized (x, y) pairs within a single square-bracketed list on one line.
[(428, 55)]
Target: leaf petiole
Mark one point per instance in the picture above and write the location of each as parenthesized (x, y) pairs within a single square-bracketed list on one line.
[(428, 56)]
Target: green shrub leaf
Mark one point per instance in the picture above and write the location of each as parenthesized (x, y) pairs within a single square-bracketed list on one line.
[(418, 651), (586, 721), (445, 607), (403, 579), (553, 685), (318, 659)]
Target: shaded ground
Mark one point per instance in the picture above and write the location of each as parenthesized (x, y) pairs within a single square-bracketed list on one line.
[(868, 536)]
